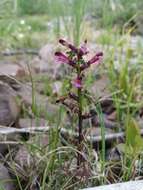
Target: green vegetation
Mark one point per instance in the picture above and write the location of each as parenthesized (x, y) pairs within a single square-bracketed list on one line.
[(55, 18)]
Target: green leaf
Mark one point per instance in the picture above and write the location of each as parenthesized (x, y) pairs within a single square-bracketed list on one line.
[(133, 136)]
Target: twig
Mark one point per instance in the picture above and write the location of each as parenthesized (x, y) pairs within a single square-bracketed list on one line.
[(19, 52), (97, 138), (63, 131), (11, 143), (31, 130)]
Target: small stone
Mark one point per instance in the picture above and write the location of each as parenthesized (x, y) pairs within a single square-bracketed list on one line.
[(5, 147), (100, 88), (96, 131), (27, 122), (95, 120), (40, 140), (24, 159), (42, 105), (45, 63), (11, 69), (9, 108), (6, 182), (25, 165)]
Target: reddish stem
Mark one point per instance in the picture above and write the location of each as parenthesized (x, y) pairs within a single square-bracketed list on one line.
[(80, 135)]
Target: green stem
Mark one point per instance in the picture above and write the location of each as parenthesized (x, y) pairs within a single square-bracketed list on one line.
[(100, 114)]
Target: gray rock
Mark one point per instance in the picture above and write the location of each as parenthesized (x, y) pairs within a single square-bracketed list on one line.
[(27, 122), (5, 146), (131, 185), (9, 109), (40, 140), (25, 166), (11, 69), (6, 182), (24, 159), (45, 63), (100, 87), (42, 105), (96, 131), (46, 51)]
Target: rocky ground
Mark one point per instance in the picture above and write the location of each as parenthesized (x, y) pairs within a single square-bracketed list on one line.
[(15, 99), (22, 90)]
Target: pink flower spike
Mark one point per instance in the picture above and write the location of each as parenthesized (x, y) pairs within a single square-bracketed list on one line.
[(68, 45), (77, 83), (95, 59), (62, 58)]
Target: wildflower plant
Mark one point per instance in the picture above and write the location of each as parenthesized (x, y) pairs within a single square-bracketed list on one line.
[(74, 57)]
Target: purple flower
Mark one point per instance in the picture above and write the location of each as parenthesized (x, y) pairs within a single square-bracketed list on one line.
[(79, 51), (68, 45), (95, 59), (62, 58), (77, 57), (99, 54), (77, 83)]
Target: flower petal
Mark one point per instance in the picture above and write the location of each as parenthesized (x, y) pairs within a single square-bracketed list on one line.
[(99, 54), (77, 83), (68, 45), (95, 59), (62, 58)]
